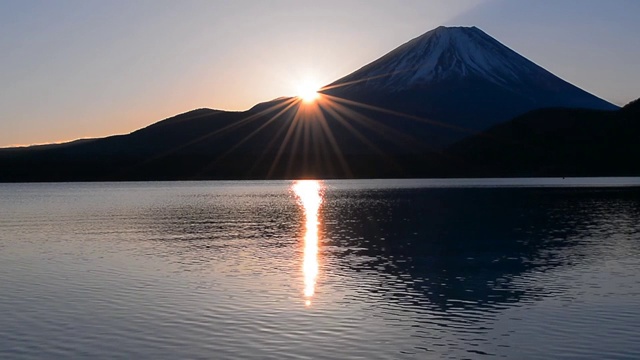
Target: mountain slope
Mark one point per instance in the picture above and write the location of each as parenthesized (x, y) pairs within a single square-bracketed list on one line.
[(462, 77), (554, 142)]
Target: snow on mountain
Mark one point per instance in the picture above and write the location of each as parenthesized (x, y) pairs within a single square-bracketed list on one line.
[(459, 79), (462, 54)]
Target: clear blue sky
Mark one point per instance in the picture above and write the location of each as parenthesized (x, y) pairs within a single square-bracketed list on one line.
[(88, 68)]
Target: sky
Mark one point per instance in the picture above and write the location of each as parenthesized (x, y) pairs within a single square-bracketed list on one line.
[(74, 69)]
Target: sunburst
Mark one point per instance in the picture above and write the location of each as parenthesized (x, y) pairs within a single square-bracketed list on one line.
[(308, 92)]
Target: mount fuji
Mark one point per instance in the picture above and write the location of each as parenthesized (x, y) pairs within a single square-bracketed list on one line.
[(462, 77)]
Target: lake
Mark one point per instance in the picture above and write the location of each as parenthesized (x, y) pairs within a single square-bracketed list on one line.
[(370, 269)]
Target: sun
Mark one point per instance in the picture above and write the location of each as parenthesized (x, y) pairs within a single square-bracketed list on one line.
[(308, 92)]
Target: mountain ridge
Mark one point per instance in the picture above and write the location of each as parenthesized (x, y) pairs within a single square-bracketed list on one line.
[(555, 142), (447, 52), (462, 76)]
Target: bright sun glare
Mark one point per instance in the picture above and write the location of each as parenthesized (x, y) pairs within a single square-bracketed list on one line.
[(308, 92)]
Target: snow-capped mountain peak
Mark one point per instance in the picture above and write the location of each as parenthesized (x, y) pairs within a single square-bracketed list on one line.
[(445, 53)]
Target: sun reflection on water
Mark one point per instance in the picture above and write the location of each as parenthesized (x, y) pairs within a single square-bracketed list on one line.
[(310, 197)]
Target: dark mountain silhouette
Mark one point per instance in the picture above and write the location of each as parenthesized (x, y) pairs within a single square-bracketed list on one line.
[(278, 139), (555, 142), (393, 118), (632, 107)]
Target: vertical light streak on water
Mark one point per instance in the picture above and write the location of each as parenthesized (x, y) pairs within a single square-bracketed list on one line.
[(310, 197)]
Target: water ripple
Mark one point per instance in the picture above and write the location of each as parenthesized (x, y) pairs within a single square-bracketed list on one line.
[(214, 270)]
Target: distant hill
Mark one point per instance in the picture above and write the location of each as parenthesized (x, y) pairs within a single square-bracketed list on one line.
[(272, 140), (554, 142), (633, 106), (221, 145)]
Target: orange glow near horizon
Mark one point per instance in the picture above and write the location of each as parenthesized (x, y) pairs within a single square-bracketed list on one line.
[(310, 197)]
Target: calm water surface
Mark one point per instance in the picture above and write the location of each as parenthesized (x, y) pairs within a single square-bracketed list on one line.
[(535, 269)]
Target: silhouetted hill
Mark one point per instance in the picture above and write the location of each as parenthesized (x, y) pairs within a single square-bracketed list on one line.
[(280, 139), (633, 106), (277, 140), (554, 142), (184, 117), (40, 147)]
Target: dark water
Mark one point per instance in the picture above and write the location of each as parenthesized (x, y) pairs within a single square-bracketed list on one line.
[(533, 269)]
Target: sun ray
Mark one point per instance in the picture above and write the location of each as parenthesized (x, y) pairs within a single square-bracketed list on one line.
[(285, 141), (352, 129), (400, 114), (386, 131), (248, 137), (299, 130), (347, 83), (395, 136), (272, 143), (332, 109), (260, 128), (228, 127), (334, 144), (308, 135), (239, 123)]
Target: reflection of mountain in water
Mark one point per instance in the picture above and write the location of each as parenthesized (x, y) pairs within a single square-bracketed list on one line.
[(470, 248)]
